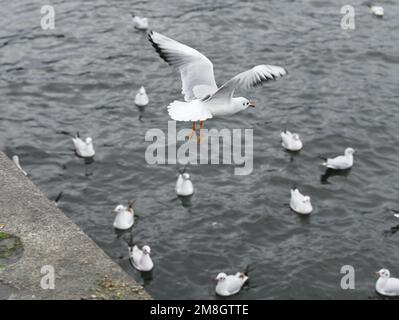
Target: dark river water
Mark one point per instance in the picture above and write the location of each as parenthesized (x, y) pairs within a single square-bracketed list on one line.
[(341, 91)]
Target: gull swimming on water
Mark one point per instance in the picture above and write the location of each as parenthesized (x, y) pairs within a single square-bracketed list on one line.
[(376, 10), (204, 99), (139, 23), (15, 159), (84, 149), (386, 285), (300, 203), (141, 259), (124, 216), (341, 162), (229, 285), (141, 98), (291, 141), (184, 186)]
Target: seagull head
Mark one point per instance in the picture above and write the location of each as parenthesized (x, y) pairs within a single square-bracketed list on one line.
[(383, 273), (146, 249), (349, 151), (89, 140), (118, 209), (221, 276), (242, 103), (142, 90)]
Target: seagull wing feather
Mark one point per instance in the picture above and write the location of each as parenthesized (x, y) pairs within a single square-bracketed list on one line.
[(248, 79), (196, 70)]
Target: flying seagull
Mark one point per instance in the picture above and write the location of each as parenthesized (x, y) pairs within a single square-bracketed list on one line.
[(203, 98)]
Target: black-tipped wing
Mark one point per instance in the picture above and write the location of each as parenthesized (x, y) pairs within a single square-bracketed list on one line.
[(196, 70), (248, 79)]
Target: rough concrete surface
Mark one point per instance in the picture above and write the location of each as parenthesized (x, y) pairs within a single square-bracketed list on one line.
[(82, 269)]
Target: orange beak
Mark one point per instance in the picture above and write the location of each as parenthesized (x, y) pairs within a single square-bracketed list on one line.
[(251, 104)]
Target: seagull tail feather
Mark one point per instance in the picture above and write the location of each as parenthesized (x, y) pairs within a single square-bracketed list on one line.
[(188, 111), (182, 170), (249, 268), (324, 159), (59, 197)]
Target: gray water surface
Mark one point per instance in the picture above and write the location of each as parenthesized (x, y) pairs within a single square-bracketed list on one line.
[(341, 91)]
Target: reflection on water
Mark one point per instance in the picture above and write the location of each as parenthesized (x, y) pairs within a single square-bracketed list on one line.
[(333, 173)]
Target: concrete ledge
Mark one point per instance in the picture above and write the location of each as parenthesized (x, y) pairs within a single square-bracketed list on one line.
[(82, 269)]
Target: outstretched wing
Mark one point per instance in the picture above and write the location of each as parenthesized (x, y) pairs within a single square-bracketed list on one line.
[(196, 70), (248, 79)]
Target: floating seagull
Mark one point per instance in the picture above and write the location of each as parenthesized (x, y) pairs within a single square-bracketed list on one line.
[(141, 259), (204, 100), (300, 203), (15, 159), (85, 148), (229, 285), (184, 186), (124, 216), (341, 162), (376, 10), (141, 98), (386, 285), (291, 141), (139, 23)]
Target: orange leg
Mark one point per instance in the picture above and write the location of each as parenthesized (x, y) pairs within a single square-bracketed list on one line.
[(192, 133), (201, 127)]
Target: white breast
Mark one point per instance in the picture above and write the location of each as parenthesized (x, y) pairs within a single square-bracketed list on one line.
[(387, 286), (124, 220), (184, 187)]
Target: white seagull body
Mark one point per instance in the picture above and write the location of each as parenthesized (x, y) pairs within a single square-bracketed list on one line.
[(386, 285), (396, 215), (300, 203), (203, 99), (84, 149), (377, 10), (140, 23), (15, 159), (141, 98), (184, 186), (124, 216), (141, 259), (341, 162), (229, 285), (291, 141)]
